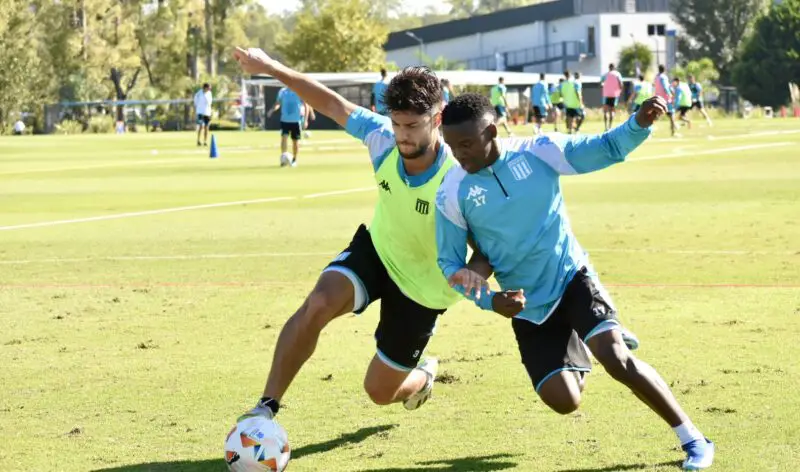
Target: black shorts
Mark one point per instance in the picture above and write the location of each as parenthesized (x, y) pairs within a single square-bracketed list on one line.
[(405, 326), (203, 120), (557, 344), (560, 106), (683, 110), (574, 113), (292, 129), (539, 112), (610, 102), (698, 104)]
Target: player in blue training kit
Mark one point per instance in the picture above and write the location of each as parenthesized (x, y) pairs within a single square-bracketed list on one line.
[(507, 196)]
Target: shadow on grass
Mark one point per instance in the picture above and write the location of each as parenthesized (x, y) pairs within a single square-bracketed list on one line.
[(623, 467), (218, 465), (463, 464)]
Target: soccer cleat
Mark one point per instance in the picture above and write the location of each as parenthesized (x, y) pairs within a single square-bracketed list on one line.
[(430, 366), (629, 339), (294, 162), (699, 454)]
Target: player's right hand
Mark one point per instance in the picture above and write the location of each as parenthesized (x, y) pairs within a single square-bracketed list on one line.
[(474, 284), (509, 303), (253, 60)]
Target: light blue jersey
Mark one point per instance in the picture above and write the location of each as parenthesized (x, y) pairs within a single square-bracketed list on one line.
[(540, 98), (516, 213), (292, 109), (378, 90)]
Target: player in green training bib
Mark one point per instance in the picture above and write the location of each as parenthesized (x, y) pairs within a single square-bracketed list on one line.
[(395, 259)]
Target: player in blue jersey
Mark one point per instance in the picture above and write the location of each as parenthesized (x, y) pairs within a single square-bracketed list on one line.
[(540, 100), (507, 196), (293, 116), (377, 102), (697, 98)]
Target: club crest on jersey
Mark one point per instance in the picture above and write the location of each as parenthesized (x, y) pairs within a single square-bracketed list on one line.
[(520, 168), (477, 194), (422, 206)]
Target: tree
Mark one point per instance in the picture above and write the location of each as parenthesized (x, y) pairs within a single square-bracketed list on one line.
[(336, 36), (631, 56), (19, 58), (465, 8), (714, 29), (770, 57)]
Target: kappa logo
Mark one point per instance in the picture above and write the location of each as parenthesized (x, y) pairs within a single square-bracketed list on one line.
[(477, 194), (385, 186)]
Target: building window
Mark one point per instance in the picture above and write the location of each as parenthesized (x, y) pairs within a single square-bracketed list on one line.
[(656, 30), (615, 31), (590, 40)]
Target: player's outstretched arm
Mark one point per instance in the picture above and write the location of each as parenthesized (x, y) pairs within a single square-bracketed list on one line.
[(576, 154), (320, 97)]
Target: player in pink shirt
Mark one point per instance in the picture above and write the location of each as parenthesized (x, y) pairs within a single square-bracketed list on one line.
[(664, 90), (612, 88)]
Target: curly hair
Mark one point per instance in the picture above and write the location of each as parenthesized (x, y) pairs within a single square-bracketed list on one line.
[(467, 107), (415, 89)]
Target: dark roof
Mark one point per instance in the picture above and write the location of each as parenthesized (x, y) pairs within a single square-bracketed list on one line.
[(546, 11)]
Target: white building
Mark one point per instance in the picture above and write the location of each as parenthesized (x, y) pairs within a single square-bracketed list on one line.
[(580, 35)]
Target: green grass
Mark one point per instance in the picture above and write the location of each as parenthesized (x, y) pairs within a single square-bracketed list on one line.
[(117, 363)]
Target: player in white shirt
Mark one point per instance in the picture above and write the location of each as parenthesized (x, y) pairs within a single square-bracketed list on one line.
[(202, 106)]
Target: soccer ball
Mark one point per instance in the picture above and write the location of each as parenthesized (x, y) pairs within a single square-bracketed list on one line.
[(257, 444), (286, 159)]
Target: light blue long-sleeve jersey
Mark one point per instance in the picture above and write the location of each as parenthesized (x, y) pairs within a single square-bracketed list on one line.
[(516, 213), (540, 96)]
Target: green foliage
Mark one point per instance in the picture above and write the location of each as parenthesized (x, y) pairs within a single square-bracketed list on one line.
[(630, 55), (18, 58), (465, 8), (336, 36), (69, 127), (703, 70), (714, 29), (770, 58), (101, 124)]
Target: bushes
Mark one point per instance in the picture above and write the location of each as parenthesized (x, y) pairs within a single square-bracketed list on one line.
[(69, 127), (99, 124)]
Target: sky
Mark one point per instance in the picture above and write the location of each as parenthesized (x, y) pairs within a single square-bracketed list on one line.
[(414, 5)]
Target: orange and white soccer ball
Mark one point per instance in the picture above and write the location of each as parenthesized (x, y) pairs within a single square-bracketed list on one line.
[(257, 444)]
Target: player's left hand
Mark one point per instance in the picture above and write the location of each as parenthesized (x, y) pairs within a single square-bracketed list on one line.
[(509, 303), (253, 60), (650, 111), (474, 284)]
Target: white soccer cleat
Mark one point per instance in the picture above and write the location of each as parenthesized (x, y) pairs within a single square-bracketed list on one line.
[(430, 366)]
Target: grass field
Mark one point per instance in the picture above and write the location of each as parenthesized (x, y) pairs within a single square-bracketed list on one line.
[(138, 310)]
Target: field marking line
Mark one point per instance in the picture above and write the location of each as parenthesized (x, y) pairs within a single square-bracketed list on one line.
[(258, 255), (710, 151)]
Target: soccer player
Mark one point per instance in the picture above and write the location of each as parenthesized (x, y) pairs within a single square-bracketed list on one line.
[(293, 116), (507, 196), (500, 103), (572, 101), (377, 102), (581, 109), (202, 107), (395, 259), (683, 100), (642, 90), (664, 90), (446, 92), (557, 101), (540, 99), (697, 98), (612, 88)]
